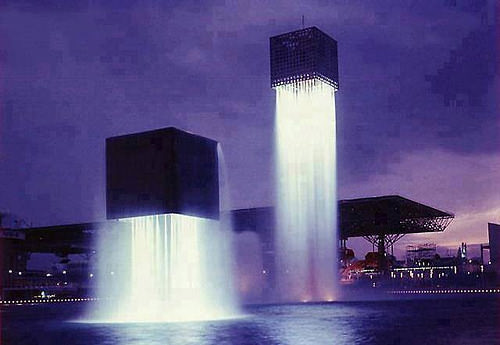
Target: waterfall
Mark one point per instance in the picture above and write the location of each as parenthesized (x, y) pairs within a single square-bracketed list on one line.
[(306, 236)]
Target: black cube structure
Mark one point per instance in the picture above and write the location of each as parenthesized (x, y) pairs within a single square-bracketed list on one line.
[(303, 55), (159, 172)]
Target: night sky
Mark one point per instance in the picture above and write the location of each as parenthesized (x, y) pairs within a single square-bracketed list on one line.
[(417, 105)]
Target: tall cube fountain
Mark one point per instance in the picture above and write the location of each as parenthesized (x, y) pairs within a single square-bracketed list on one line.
[(304, 73)]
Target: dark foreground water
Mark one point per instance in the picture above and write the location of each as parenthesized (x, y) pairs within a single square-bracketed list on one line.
[(424, 321)]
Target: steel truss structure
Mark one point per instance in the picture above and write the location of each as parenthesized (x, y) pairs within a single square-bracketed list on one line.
[(384, 220)]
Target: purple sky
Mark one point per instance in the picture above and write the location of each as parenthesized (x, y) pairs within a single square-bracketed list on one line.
[(417, 106)]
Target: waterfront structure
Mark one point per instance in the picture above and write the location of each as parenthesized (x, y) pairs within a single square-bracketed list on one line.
[(13, 259), (424, 271), (304, 73), (384, 220), (494, 245), (168, 257), (425, 251)]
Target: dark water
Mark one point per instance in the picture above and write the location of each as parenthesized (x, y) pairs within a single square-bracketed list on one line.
[(429, 321)]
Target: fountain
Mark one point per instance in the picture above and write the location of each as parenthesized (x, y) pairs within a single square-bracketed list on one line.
[(166, 259), (167, 253), (305, 77)]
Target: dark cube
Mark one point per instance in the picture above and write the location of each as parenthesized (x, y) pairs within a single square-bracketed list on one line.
[(161, 171), (302, 55)]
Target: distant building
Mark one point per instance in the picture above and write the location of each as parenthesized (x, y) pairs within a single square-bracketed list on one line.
[(13, 258), (462, 252), (494, 245), (420, 252)]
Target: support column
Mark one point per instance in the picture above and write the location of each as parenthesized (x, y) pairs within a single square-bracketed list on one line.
[(382, 262)]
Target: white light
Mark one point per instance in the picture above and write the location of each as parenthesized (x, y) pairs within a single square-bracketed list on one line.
[(64, 272), (306, 188), (165, 276), (91, 275), (10, 271), (20, 273)]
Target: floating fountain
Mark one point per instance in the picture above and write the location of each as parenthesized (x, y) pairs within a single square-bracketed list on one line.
[(167, 256), (305, 76)]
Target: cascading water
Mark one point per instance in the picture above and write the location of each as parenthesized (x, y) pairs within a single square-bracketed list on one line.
[(165, 268), (306, 240)]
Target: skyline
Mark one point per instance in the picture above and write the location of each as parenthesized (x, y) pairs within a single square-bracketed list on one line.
[(74, 74)]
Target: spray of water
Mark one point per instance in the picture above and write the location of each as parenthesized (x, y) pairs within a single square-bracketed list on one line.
[(306, 240), (165, 268)]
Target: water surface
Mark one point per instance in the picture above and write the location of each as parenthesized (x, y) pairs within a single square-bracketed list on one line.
[(424, 321)]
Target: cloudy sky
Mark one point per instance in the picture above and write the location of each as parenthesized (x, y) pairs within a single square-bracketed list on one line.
[(417, 105)]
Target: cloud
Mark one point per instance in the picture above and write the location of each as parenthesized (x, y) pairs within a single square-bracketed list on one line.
[(469, 70), (100, 68)]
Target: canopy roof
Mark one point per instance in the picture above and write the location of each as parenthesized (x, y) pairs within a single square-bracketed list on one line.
[(383, 215), (391, 214)]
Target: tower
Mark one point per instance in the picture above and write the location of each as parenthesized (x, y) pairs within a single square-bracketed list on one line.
[(304, 73)]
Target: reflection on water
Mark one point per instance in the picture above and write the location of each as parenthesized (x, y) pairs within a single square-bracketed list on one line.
[(391, 322)]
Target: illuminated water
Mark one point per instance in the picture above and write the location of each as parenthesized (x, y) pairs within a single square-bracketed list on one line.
[(165, 268), (306, 239), (419, 322)]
